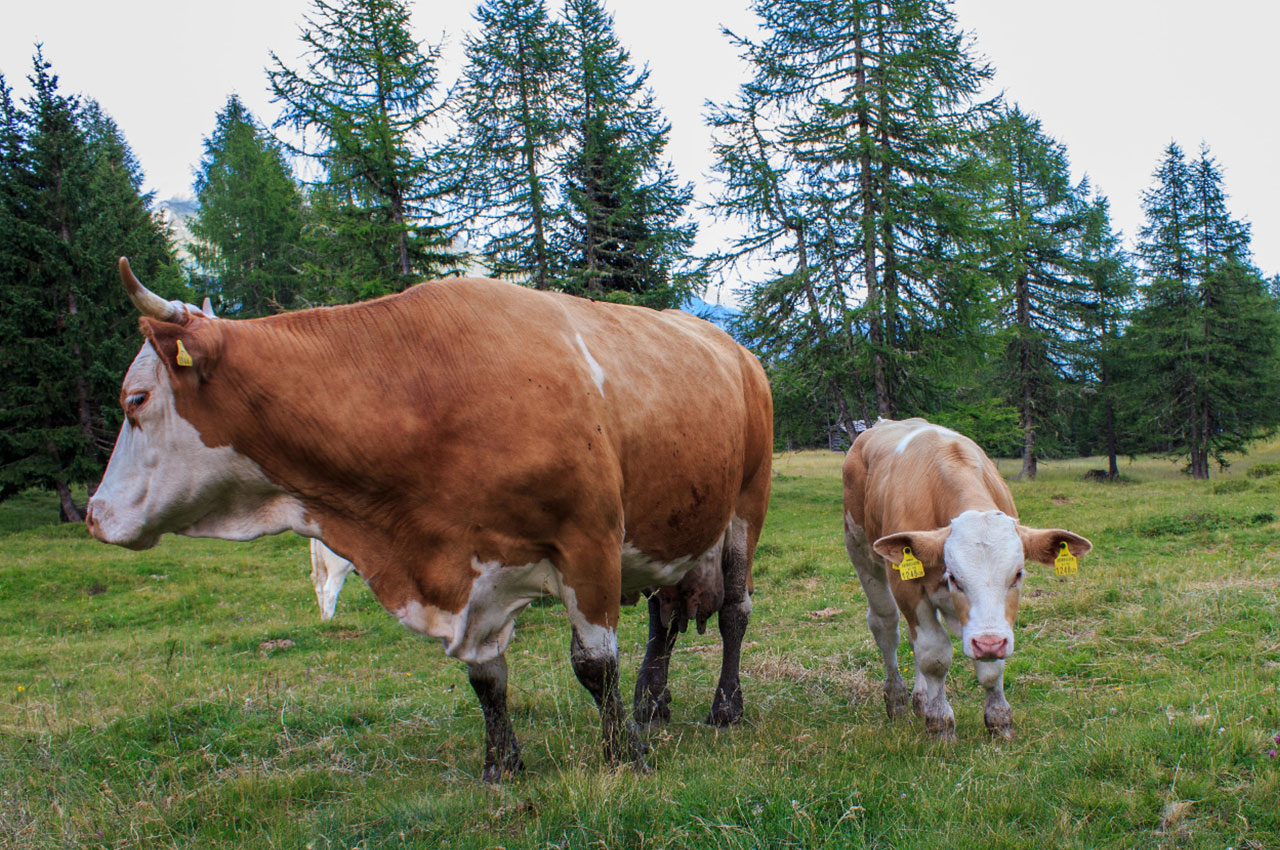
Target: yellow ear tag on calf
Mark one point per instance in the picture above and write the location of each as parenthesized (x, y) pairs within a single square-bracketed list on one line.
[(1065, 564), (183, 358), (911, 567)]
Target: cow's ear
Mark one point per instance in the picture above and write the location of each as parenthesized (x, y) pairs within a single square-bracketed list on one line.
[(189, 350), (1042, 545), (925, 545)]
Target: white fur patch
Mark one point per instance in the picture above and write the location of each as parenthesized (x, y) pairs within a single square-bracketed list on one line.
[(938, 429), (329, 571), (984, 553), (597, 372)]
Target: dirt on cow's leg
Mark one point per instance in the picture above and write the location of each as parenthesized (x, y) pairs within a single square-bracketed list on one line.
[(735, 613), (501, 751), (653, 697), (997, 713), (597, 670)]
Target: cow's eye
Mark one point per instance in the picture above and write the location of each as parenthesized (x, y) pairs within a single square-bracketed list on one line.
[(955, 584), (135, 401), (1017, 577)]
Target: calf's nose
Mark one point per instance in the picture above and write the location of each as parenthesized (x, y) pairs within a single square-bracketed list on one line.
[(987, 647)]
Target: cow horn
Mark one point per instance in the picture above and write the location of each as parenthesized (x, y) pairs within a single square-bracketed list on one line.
[(147, 302), (207, 307)]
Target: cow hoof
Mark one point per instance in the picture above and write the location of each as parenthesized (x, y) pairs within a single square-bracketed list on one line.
[(917, 704), (493, 774), (654, 711), (725, 710)]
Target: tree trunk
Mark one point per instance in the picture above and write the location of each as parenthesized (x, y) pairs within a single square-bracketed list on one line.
[(1113, 468), (875, 306), (1025, 372), (68, 510)]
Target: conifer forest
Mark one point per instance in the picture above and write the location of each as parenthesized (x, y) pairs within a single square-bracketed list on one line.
[(905, 242)]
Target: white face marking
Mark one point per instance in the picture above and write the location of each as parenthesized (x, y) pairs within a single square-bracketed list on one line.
[(984, 555), (328, 572), (163, 478), (597, 373), (906, 441)]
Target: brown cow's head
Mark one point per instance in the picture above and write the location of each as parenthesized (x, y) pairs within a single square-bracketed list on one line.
[(162, 476)]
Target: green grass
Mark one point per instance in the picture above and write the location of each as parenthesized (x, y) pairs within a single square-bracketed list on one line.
[(139, 706)]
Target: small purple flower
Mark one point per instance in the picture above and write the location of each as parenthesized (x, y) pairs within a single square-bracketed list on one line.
[(1278, 738), (1271, 754)]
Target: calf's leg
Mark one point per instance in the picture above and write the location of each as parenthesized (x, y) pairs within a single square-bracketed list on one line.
[(997, 713), (882, 614), (932, 646), (501, 751)]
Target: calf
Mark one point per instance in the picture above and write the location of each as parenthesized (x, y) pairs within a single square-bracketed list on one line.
[(926, 494)]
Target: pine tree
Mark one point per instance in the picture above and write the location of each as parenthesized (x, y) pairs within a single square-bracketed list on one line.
[(511, 111), (625, 235), (1110, 279), (73, 204), (249, 223), (367, 96), (843, 155), (1038, 221), (1201, 350)]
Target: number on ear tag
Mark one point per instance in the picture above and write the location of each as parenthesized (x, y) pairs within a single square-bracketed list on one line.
[(183, 358), (1065, 564), (911, 566)]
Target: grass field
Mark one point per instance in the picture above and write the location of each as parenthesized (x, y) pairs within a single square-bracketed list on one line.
[(189, 696)]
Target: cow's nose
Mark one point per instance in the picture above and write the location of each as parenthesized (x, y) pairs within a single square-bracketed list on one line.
[(987, 647)]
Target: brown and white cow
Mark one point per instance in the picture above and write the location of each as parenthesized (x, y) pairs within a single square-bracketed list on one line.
[(470, 445), (918, 486)]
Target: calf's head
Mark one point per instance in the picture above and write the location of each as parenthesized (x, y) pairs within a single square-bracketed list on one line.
[(982, 556), (162, 475)]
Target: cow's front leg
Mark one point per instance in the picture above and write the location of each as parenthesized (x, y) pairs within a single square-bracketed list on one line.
[(997, 713), (735, 614), (653, 697), (932, 645), (501, 752), (595, 663)]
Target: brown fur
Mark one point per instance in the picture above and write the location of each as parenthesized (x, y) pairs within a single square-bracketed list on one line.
[(460, 419)]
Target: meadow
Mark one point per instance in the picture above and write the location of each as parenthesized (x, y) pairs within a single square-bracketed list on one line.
[(190, 696)]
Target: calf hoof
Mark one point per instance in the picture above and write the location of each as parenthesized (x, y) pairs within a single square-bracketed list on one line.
[(726, 711), (895, 702), (917, 704), (942, 728), (653, 710)]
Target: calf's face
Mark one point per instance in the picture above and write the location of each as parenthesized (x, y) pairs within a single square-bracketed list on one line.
[(982, 556)]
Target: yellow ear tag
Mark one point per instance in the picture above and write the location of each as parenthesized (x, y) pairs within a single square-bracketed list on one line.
[(1065, 564), (183, 358), (911, 567)]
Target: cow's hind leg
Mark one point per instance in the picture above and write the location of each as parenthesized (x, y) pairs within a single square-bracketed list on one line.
[(735, 614), (882, 614), (653, 697), (501, 752), (997, 713)]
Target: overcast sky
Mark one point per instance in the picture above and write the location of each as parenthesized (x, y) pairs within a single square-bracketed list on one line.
[(1114, 80)]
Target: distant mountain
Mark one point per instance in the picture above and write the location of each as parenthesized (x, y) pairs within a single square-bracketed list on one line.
[(717, 314), (176, 212)]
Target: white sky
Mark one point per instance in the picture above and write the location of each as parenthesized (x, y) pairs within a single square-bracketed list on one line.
[(1114, 80)]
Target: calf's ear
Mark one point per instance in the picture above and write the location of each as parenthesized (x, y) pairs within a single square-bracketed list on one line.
[(1042, 545), (925, 545)]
